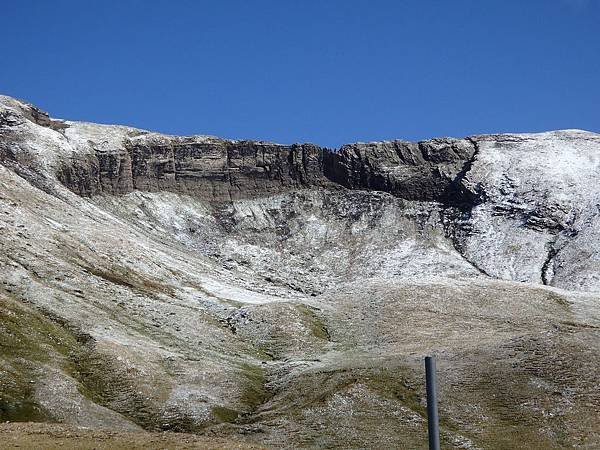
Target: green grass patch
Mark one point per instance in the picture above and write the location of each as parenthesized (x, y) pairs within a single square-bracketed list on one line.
[(28, 340), (313, 322), (255, 392), (125, 277), (222, 414)]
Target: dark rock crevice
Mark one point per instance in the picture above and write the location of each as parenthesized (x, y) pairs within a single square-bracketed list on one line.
[(459, 194), (456, 225), (547, 271), (458, 202)]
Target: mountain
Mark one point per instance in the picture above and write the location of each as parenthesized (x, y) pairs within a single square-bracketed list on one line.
[(285, 295)]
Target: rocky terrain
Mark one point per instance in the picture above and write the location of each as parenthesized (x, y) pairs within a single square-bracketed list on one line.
[(159, 290)]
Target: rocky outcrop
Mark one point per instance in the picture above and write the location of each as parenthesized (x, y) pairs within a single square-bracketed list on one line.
[(425, 170), (216, 169), (118, 160), (207, 168)]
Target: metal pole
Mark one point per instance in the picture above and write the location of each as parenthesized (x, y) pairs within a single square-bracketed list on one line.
[(433, 425)]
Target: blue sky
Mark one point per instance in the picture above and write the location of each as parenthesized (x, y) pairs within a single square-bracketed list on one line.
[(327, 72)]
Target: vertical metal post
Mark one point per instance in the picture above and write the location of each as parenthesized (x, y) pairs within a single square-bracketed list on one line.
[(433, 425)]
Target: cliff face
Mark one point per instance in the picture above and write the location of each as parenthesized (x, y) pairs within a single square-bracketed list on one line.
[(218, 170), (207, 168), (426, 171), (515, 206), (284, 295), (215, 169)]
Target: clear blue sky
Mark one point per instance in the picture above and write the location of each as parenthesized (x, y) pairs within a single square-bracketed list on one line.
[(328, 72)]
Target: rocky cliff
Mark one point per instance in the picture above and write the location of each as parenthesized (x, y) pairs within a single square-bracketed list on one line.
[(207, 168), (284, 295), (217, 169)]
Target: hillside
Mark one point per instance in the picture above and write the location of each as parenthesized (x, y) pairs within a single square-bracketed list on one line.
[(285, 295)]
